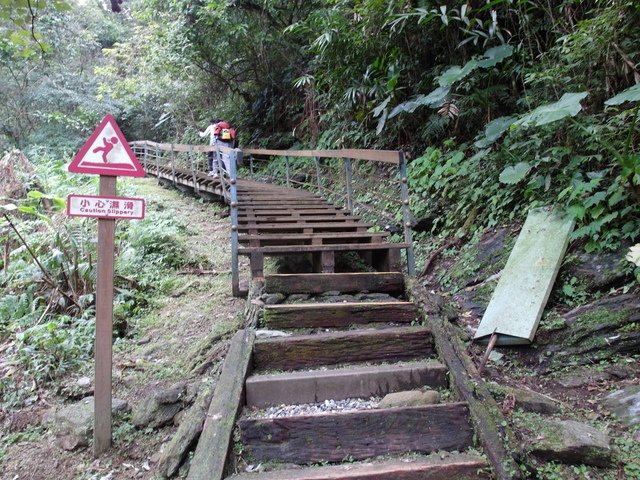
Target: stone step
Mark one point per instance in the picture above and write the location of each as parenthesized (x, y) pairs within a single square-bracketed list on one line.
[(338, 384), (387, 282), (333, 348), (432, 467), (358, 435), (329, 315)]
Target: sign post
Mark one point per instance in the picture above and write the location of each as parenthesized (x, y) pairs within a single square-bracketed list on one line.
[(105, 153), (104, 325)]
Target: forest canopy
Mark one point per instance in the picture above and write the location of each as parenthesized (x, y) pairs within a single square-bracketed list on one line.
[(522, 102)]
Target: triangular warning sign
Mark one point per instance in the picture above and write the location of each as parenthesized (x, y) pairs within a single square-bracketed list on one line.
[(107, 153)]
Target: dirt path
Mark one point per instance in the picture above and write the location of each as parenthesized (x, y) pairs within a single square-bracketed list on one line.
[(156, 352)]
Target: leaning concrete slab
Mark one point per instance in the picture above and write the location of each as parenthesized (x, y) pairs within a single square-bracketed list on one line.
[(517, 303)]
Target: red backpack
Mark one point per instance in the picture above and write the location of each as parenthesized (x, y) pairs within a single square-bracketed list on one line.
[(224, 132)]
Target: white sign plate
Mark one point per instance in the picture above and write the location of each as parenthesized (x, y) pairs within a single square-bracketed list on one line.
[(105, 207)]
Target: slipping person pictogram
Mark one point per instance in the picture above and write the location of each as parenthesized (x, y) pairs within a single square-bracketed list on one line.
[(108, 146)]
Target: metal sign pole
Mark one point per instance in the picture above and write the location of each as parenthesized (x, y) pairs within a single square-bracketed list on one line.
[(104, 325)]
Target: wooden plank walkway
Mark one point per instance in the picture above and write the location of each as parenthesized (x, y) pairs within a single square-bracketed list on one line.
[(274, 220)]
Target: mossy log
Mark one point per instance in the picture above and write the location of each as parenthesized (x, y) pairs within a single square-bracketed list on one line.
[(211, 453), (492, 430), (596, 332)]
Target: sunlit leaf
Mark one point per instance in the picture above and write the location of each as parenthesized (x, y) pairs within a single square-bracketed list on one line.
[(494, 131), (433, 99), (514, 173), (9, 207), (495, 55), (568, 106), (629, 95)]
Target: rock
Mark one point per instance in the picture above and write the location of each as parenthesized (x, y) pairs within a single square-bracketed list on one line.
[(298, 297), (625, 405), (272, 298), (73, 424), (598, 271), (159, 407), (582, 377), (330, 293), (271, 334), (375, 297), (531, 401), (337, 299), (176, 451), (573, 443), (177, 419), (84, 382), (410, 398)]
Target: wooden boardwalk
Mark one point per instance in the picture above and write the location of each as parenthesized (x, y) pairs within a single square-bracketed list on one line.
[(274, 220)]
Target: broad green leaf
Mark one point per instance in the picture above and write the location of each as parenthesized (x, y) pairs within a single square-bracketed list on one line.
[(435, 98), (495, 55), (577, 210), (382, 121), (455, 73), (62, 6), (629, 95), (567, 106), (59, 203), (35, 194), (378, 110), (29, 210), (514, 173), (494, 131), (597, 211)]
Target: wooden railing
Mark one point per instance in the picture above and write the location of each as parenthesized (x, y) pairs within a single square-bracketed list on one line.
[(362, 181)]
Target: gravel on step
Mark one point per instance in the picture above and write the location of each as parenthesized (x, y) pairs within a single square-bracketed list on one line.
[(328, 406)]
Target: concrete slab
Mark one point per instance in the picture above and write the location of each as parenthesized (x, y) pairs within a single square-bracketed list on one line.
[(338, 384), (519, 299)]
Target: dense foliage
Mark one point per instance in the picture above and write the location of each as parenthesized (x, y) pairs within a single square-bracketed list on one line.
[(503, 104), (48, 274)]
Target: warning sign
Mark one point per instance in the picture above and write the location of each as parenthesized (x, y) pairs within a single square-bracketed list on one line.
[(105, 207), (107, 153)]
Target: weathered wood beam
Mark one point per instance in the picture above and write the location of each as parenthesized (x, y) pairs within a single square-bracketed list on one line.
[(211, 454), (305, 351), (336, 436), (387, 282), (337, 314)]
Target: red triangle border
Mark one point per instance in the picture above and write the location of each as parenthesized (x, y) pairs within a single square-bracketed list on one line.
[(118, 171)]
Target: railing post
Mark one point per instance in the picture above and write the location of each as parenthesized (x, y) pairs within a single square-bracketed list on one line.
[(234, 157), (406, 215), (157, 165), (251, 164), (157, 150), (317, 162), (286, 161), (348, 174), (193, 170), (173, 166)]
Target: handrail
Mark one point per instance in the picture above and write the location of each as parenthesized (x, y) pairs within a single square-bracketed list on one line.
[(385, 156), (228, 159)]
